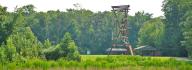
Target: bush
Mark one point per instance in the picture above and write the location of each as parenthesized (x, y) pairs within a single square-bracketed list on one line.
[(23, 43), (2, 54), (65, 49)]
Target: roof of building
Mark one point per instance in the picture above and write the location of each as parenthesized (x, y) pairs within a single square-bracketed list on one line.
[(117, 50), (145, 48)]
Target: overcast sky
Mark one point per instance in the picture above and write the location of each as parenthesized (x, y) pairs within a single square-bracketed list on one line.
[(150, 6)]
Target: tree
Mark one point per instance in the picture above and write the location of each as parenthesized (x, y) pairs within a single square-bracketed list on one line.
[(2, 54), (3, 36), (4, 25), (10, 50), (187, 33), (151, 33), (26, 43), (69, 47), (135, 24), (174, 10), (173, 31)]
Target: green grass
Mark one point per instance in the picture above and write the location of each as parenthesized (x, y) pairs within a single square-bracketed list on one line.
[(93, 57), (95, 62)]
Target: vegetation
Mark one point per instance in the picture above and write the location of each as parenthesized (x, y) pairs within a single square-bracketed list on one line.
[(104, 61), (66, 49), (54, 39), (187, 33), (152, 33), (174, 12)]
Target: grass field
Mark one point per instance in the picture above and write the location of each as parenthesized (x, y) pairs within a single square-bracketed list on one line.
[(93, 57), (104, 62)]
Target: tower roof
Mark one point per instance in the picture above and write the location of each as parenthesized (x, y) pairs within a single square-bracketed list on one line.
[(120, 7)]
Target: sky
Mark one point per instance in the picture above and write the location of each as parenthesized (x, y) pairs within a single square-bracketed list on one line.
[(149, 6)]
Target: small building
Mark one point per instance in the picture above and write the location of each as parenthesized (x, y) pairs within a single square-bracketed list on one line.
[(147, 51), (117, 51)]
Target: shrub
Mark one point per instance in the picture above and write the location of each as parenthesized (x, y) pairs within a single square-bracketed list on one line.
[(24, 43), (2, 54), (65, 49)]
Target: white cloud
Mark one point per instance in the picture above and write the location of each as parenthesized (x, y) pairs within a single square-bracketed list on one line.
[(151, 6)]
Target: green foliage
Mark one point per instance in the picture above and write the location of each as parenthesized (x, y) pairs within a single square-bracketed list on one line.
[(47, 44), (52, 53), (10, 50), (174, 11), (135, 24), (66, 49), (69, 47), (26, 43), (151, 33), (2, 54), (5, 25), (91, 31), (187, 33)]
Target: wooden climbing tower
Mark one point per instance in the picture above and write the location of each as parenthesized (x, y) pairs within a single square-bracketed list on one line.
[(120, 29)]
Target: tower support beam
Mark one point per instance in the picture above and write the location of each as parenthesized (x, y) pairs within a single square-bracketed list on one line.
[(120, 30)]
